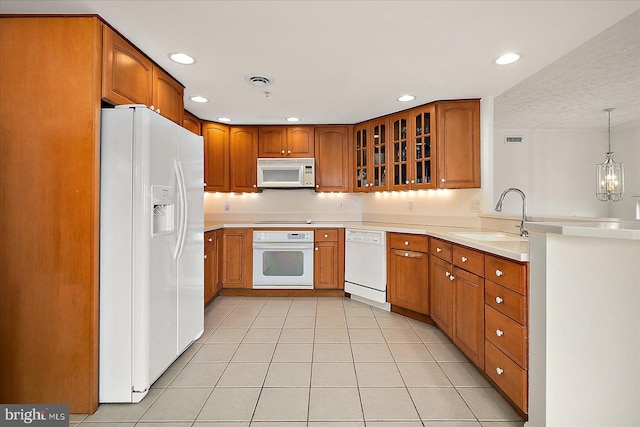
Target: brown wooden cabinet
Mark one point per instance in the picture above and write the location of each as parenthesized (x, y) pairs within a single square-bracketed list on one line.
[(243, 145), (458, 144), (127, 75), (237, 265), (192, 123), (168, 96), (328, 261), (49, 317), (370, 156), (216, 156), (218, 278), (286, 141), (332, 161), (408, 271), (457, 296), (210, 265)]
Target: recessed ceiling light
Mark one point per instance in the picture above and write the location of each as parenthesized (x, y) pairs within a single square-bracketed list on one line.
[(224, 119), (406, 98), (182, 58), (199, 99), (293, 119), (507, 58)]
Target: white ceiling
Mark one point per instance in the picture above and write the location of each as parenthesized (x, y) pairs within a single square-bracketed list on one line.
[(344, 61)]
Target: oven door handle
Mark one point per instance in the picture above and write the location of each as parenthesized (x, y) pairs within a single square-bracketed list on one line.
[(281, 246)]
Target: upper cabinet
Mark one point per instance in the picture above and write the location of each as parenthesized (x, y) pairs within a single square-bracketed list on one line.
[(370, 156), (192, 123), (458, 144), (168, 96), (129, 77), (332, 162), (432, 146), (216, 156), (243, 143), (284, 141)]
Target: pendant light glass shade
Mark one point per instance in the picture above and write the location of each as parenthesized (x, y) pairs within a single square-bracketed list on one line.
[(610, 174)]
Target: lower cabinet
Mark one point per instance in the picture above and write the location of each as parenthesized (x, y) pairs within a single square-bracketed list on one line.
[(441, 294), (213, 261), (237, 265), (408, 272), (328, 261)]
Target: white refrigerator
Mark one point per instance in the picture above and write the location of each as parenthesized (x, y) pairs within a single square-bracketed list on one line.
[(151, 249)]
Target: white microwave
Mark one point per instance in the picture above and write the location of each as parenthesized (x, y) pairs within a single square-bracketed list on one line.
[(286, 173)]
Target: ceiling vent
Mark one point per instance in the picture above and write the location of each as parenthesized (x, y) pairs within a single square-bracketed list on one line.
[(258, 80), (513, 139)]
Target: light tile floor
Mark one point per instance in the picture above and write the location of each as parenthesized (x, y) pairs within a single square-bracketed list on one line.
[(313, 362)]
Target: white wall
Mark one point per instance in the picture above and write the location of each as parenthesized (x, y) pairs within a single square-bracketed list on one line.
[(556, 170)]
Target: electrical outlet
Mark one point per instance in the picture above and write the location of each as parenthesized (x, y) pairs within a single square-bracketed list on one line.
[(411, 205), (340, 205), (356, 205), (227, 207), (475, 206)]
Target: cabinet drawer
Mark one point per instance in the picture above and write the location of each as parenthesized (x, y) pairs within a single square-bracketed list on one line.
[(510, 377), (326, 235), (506, 301), (441, 249), (506, 334), (511, 274), (409, 242), (468, 259), (209, 238)]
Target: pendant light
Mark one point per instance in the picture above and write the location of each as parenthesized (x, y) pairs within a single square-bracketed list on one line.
[(610, 174)]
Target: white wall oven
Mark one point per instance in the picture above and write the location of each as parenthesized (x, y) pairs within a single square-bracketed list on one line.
[(283, 259)]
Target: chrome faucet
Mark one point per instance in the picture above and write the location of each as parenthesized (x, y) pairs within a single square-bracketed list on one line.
[(523, 231)]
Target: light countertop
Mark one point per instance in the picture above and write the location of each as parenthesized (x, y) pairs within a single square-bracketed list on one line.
[(607, 230), (517, 250)]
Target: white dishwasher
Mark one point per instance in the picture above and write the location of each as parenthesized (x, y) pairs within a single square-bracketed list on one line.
[(365, 275)]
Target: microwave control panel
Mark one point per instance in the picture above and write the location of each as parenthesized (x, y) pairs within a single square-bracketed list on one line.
[(308, 175)]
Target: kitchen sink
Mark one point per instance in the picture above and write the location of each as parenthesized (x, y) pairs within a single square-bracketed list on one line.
[(491, 236)]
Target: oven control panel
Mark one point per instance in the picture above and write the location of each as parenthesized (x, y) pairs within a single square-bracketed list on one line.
[(283, 236)]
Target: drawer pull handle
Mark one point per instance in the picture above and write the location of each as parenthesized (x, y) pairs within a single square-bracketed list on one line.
[(406, 243), (447, 274), (499, 371), (438, 250), (464, 259), (499, 332), (406, 254), (326, 236), (499, 300), (451, 277), (210, 239), (499, 273)]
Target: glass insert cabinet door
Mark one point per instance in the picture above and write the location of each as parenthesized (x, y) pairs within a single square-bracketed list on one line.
[(423, 146), (400, 151), (379, 148), (361, 160)]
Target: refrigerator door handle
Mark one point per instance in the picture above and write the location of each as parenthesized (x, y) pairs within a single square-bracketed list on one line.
[(182, 214)]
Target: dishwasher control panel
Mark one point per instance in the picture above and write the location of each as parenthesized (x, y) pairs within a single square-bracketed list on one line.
[(365, 236)]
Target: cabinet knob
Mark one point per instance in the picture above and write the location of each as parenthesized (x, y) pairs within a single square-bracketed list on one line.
[(255, 186), (464, 259), (406, 243), (499, 371), (317, 248), (499, 273), (317, 185), (413, 181), (406, 182), (205, 257), (326, 236), (499, 300), (210, 239), (451, 277), (438, 250), (288, 151), (406, 254), (499, 332), (443, 180), (204, 184), (158, 111), (447, 274)]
